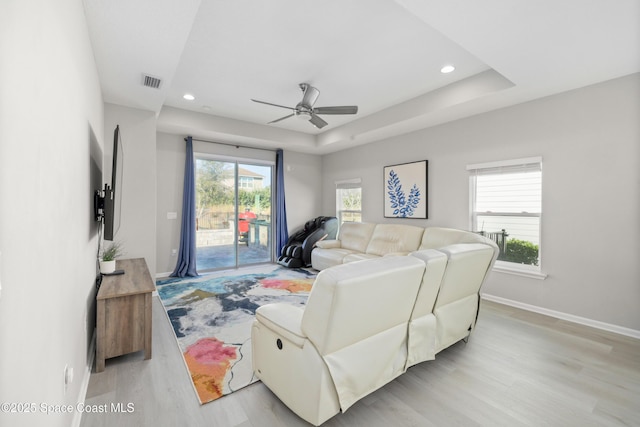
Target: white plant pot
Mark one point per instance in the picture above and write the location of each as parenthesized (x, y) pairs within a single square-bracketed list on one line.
[(107, 267)]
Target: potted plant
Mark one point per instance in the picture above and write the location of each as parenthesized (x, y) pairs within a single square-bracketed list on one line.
[(109, 255)]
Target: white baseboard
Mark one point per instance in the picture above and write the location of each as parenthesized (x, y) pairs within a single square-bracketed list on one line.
[(564, 316), (77, 415)]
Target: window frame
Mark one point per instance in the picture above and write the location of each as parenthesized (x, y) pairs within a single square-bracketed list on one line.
[(346, 185), (528, 163), (237, 161)]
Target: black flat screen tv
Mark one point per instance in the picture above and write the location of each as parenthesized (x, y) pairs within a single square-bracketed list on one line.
[(107, 203)]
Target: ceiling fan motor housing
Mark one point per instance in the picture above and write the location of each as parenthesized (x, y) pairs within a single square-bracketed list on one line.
[(310, 96)]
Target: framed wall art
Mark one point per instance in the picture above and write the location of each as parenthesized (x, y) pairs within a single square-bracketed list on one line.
[(405, 190)]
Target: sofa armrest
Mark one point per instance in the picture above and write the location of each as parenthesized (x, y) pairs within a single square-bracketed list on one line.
[(283, 319), (310, 243), (328, 244)]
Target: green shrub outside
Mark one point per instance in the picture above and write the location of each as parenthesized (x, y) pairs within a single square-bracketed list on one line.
[(521, 252)]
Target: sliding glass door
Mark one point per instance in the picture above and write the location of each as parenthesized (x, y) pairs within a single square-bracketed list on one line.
[(233, 213)]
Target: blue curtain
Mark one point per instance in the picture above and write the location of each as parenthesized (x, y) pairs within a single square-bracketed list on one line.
[(282, 233), (186, 265)]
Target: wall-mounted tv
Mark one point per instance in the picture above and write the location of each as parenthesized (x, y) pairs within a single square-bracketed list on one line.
[(107, 202)]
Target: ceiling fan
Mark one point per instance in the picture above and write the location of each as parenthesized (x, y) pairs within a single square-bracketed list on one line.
[(304, 110)]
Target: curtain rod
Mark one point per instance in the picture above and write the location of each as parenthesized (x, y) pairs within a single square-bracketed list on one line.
[(232, 145)]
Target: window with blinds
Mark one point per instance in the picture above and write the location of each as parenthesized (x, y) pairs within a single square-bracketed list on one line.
[(349, 201), (506, 206)]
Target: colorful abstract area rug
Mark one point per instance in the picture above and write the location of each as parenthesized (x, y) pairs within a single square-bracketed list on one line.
[(212, 315)]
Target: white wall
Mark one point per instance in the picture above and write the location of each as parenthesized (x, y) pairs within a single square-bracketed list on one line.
[(170, 157), (137, 226), (51, 138), (302, 181), (589, 140)]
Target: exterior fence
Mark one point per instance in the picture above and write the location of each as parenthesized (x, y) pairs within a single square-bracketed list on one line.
[(221, 220), (216, 226), (500, 237)]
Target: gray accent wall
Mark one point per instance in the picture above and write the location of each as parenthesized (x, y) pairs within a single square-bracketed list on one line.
[(589, 140)]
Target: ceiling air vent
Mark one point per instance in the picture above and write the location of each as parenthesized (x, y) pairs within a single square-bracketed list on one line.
[(150, 81)]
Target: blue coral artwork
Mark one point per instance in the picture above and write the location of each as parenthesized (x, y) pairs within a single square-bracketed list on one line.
[(406, 190)]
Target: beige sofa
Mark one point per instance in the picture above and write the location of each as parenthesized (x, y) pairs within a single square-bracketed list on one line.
[(360, 240), (367, 321)]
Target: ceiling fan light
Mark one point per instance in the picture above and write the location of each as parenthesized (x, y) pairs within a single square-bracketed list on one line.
[(303, 115)]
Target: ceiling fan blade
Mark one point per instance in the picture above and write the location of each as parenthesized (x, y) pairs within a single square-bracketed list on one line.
[(317, 121), (275, 105), (345, 109), (281, 118), (310, 96)]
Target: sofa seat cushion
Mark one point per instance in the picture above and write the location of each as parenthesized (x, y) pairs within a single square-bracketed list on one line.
[(284, 320), (361, 257), (358, 257), (324, 258)]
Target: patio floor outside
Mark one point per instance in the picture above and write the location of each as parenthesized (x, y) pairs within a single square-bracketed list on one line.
[(224, 256)]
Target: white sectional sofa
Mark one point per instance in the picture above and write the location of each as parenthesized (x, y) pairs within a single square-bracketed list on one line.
[(360, 240), (367, 320)]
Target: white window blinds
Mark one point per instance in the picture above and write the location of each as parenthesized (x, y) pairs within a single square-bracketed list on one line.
[(508, 188)]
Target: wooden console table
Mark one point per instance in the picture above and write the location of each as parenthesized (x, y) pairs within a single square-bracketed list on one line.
[(124, 312)]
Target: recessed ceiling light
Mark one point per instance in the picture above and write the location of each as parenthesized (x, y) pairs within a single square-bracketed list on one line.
[(188, 97), (447, 69)]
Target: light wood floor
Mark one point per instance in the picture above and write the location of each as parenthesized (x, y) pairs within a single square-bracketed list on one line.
[(518, 369)]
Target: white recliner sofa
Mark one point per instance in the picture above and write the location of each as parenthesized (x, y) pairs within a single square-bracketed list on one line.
[(362, 240), (366, 322)]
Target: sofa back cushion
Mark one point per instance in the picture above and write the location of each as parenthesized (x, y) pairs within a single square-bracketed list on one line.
[(456, 307), (350, 302), (355, 236), (467, 266), (357, 317), (394, 238)]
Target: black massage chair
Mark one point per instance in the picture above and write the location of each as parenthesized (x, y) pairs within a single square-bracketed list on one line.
[(297, 252)]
